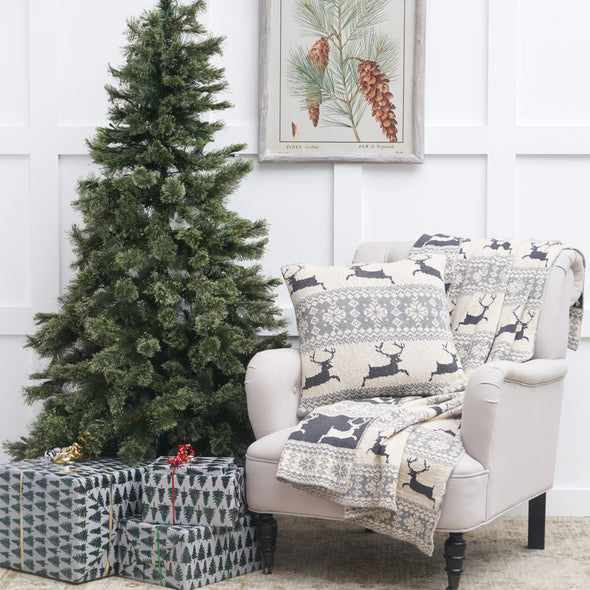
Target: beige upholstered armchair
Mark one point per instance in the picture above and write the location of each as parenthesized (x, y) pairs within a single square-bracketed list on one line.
[(510, 427)]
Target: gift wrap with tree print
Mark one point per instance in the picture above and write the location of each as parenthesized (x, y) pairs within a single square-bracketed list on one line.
[(60, 520), (207, 491), (186, 557)]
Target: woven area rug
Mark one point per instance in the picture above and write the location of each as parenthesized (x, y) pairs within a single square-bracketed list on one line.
[(323, 555)]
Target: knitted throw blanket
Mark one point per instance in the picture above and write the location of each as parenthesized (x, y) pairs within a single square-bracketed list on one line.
[(495, 291), (388, 460)]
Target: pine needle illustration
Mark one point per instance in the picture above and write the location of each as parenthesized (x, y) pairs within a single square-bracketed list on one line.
[(375, 87), (344, 33), (318, 56)]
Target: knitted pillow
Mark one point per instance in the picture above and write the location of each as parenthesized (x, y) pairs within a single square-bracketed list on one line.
[(373, 330)]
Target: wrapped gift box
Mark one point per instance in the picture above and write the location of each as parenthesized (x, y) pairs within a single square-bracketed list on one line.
[(207, 491), (186, 557), (59, 520)]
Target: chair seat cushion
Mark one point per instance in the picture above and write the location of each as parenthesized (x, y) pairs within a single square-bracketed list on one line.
[(464, 505), (373, 330)]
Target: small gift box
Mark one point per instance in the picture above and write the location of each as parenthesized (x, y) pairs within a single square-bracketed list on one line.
[(59, 520), (186, 557), (207, 491)]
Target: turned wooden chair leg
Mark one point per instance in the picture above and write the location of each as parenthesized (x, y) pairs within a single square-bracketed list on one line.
[(455, 547), (537, 522), (266, 528)]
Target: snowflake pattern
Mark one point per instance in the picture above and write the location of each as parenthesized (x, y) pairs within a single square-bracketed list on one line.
[(407, 514), (376, 313), (339, 470), (416, 311), (334, 316), (307, 463)]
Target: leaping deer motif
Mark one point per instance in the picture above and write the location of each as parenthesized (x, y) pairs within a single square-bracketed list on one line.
[(359, 271), (324, 375), (346, 428), (472, 320), (537, 253), (378, 448), (445, 368), (415, 485), (434, 240), (296, 284), (497, 244), (338, 431), (392, 368), (424, 268), (518, 327)]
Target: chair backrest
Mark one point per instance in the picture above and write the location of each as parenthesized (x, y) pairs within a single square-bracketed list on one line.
[(561, 291)]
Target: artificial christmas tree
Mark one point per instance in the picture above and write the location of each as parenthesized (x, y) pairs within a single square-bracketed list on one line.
[(152, 336)]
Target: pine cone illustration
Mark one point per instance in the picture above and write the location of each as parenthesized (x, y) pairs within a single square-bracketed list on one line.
[(318, 55), (375, 87), (314, 114)]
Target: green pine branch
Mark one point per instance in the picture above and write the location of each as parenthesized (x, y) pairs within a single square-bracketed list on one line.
[(349, 27)]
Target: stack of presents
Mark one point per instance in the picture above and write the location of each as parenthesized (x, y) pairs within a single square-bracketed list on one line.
[(181, 528)]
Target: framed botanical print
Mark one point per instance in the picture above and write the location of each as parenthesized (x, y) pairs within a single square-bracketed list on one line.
[(342, 80)]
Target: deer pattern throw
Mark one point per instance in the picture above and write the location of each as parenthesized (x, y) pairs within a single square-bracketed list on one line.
[(387, 460), (495, 291)]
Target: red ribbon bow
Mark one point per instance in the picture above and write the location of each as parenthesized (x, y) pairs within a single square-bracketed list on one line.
[(184, 455)]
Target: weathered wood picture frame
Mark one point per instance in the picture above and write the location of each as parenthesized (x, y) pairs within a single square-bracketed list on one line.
[(342, 80)]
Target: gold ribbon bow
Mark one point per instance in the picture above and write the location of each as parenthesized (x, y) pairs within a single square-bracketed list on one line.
[(69, 454)]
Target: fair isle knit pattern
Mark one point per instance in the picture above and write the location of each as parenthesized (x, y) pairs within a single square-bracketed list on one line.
[(495, 291), (373, 330), (388, 460)]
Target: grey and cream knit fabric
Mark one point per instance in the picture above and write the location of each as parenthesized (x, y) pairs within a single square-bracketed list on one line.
[(388, 459), (373, 330), (495, 291)]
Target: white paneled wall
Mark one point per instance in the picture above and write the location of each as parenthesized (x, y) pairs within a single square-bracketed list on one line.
[(14, 44), (456, 89), (457, 184), (507, 153), (552, 45), (15, 231)]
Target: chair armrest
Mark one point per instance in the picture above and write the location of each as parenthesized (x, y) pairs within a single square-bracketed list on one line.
[(516, 391), (273, 388), (511, 419)]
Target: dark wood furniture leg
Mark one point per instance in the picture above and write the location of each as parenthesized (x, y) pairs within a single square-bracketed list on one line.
[(266, 528), (537, 522), (455, 547)]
